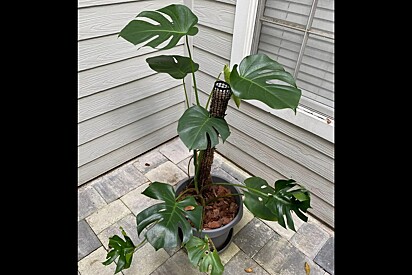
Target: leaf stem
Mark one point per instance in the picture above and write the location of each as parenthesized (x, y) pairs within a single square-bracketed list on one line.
[(188, 166), (184, 192), (139, 245), (196, 176), (242, 186), (193, 70), (184, 87)]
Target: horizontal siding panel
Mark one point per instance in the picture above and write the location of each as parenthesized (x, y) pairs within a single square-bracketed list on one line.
[(233, 2), (117, 97), (322, 211), (107, 49), (132, 150), (108, 122), (114, 140), (216, 15), (214, 41), (209, 63), (205, 83), (112, 75), (91, 3), (320, 208), (103, 20)]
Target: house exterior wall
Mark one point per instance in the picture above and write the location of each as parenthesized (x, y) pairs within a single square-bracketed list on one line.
[(124, 107), (262, 143)]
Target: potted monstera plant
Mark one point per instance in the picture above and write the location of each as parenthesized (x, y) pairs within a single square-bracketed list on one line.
[(199, 214)]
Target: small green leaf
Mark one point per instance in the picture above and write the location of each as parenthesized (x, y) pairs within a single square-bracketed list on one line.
[(255, 80), (196, 124), (175, 65), (200, 254), (226, 73), (183, 23), (121, 249)]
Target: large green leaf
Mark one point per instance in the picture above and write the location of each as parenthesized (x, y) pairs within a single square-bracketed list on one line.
[(167, 217), (175, 65), (258, 78), (200, 255), (123, 249), (273, 204), (183, 23), (196, 123)]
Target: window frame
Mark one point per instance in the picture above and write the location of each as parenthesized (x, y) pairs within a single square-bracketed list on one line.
[(244, 33)]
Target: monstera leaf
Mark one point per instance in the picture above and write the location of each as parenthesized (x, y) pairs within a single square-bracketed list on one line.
[(196, 123), (200, 255), (123, 249), (167, 217), (175, 65), (255, 80), (139, 31), (273, 204)]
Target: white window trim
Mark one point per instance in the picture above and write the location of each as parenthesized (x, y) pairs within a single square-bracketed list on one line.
[(245, 19)]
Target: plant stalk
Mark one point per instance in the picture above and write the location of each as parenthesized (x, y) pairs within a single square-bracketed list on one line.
[(187, 99), (242, 186), (196, 176), (193, 70)]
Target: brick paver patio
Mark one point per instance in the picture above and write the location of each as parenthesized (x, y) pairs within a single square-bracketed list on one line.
[(114, 199)]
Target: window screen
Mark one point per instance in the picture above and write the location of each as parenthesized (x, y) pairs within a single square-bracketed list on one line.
[(300, 35)]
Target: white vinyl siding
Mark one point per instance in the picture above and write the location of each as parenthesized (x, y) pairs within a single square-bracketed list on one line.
[(124, 108)]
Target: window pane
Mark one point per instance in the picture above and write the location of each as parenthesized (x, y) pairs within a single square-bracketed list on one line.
[(281, 44), (324, 16), (295, 12), (316, 74)]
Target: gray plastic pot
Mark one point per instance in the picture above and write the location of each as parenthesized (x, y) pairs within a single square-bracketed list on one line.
[(222, 236)]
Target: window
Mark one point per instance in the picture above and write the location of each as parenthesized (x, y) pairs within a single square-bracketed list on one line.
[(300, 35)]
